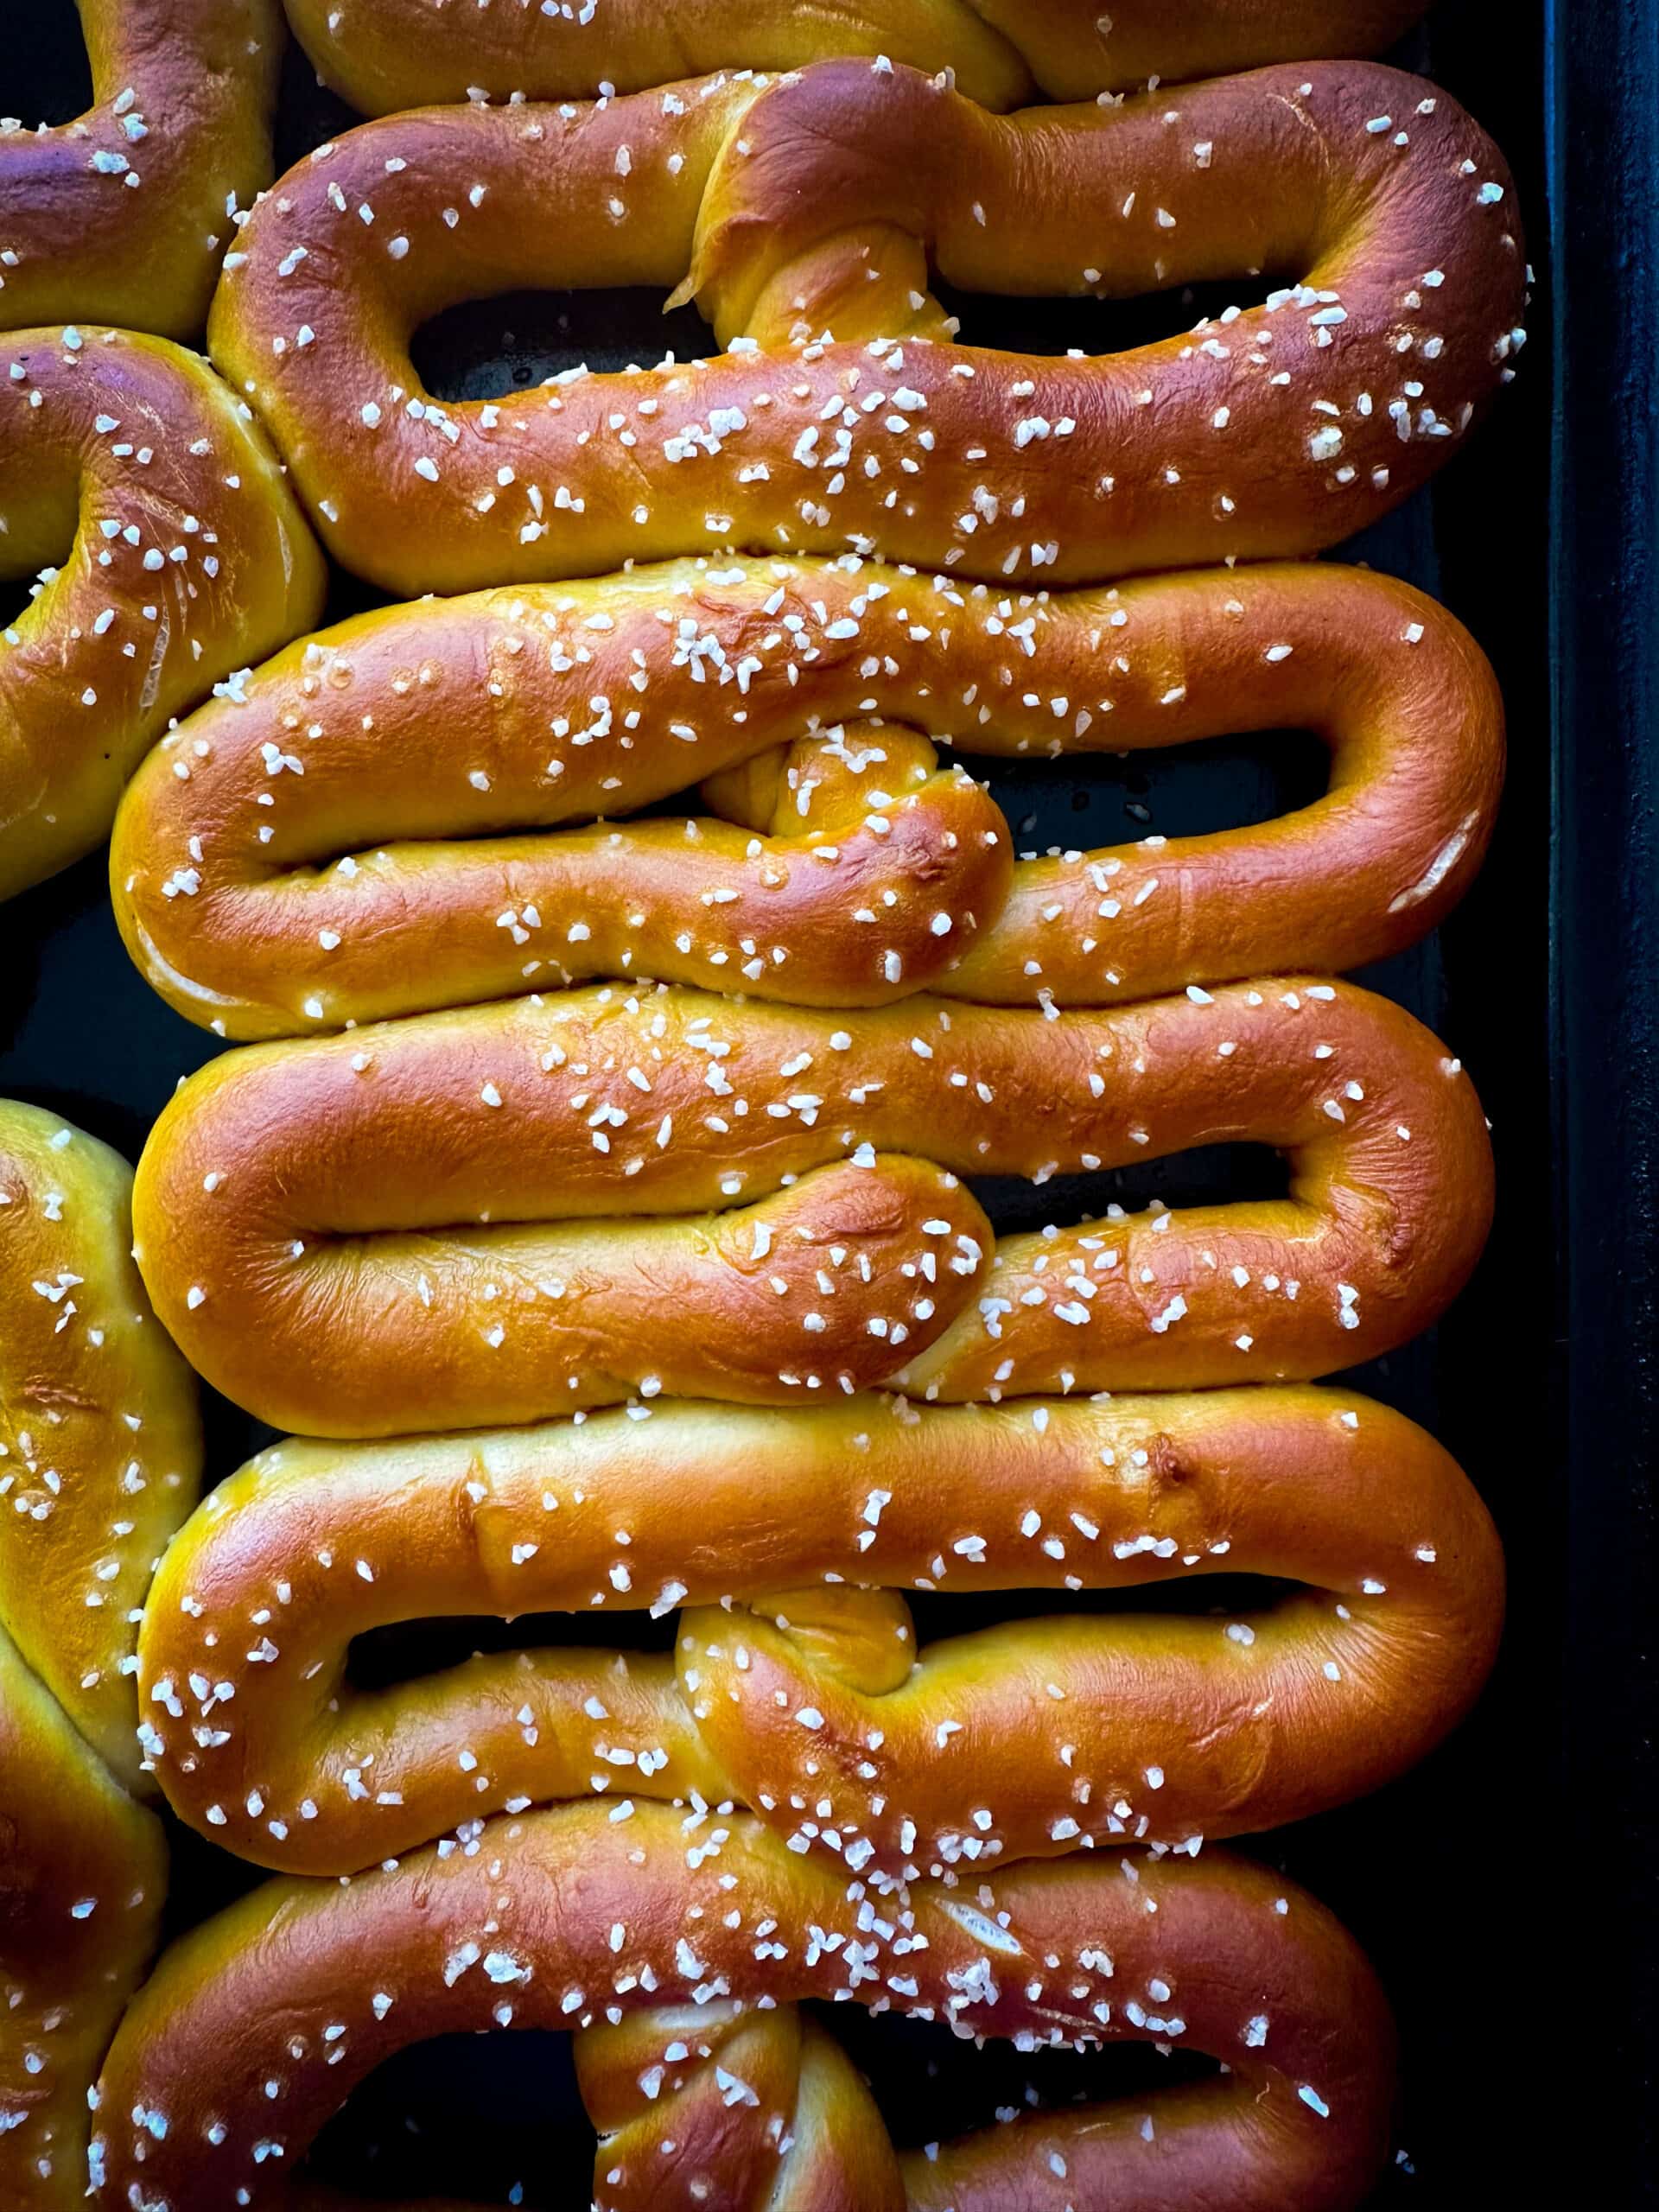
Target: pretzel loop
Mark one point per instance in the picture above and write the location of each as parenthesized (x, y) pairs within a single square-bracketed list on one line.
[(565, 1918), (395, 1262), (351, 840), (1278, 430)]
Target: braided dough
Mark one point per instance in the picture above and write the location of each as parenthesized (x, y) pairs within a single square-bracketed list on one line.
[(187, 556), (343, 837), (99, 1459), (416, 1226), (806, 1699), (824, 200), (121, 216), (570, 1919), (385, 54)]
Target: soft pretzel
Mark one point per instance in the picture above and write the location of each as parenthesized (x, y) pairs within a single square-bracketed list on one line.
[(385, 54), (186, 557), (823, 200), (83, 1874), (121, 216), (416, 1226), (258, 2025), (101, 1446), (99, 1457), (806, 1698), (343, 837)]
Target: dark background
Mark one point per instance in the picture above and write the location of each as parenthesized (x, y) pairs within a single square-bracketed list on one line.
[(1504, 1888)]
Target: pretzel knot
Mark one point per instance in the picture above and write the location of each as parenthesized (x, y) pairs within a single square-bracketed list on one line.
[(121, 215), (433, 1241), (798, 1688), (187, 556), (100, 1459), (343, 837), (386, 55), (258, 2024), (825, 202)]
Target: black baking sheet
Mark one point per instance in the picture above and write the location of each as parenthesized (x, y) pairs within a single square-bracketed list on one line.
[(1465, 1880)]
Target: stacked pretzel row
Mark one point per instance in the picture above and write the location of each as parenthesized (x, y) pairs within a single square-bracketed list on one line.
[(591, 1195)]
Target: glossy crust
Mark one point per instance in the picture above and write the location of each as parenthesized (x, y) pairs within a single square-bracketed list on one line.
[(397, 872), (100, 1444), (824, 200), (799, 1689), (177, 555), (83, 1872), (121, 215), (386, 55), (100, 1461), (416, 1226), (570, 1918)]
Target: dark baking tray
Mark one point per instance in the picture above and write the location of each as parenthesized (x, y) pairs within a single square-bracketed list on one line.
[(1504, 1888)]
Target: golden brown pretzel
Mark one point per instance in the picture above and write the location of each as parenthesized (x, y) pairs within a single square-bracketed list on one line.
[(101, 1446), (377, 881), (1275, 431), (176, 555), (416, 1226), (806, 1699), (121, 216), (386, 55), (83, 1872), (100, 1459), (258, 2025)]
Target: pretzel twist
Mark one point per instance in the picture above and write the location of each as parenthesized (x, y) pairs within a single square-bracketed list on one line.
[(568, 1919), (806, 1698), (406, 1228), (343, 837), (824, 200), (382, 55), (187, 556), (121, 215), (99, 1457)]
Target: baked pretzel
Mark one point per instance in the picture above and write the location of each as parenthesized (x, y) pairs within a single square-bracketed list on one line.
[(100, 1459), (187, 556), (823, 200), (257, 2026), (416, 1226), (349, 839), (121, 216), (385, 54), (101, 1447), (806, 1698)]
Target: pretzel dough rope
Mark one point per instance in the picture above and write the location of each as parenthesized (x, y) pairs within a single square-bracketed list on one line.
[(376, 880), (100, 1459), (300, 1207), (121, 215), (806, 1698), (1276, 430), (386, 55), (187, 556), (570, 1918)]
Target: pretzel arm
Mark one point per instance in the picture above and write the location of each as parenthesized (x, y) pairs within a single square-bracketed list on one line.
[(121, 215), (187, 556), (523, 1932), (1278, 431), (382, 55)]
